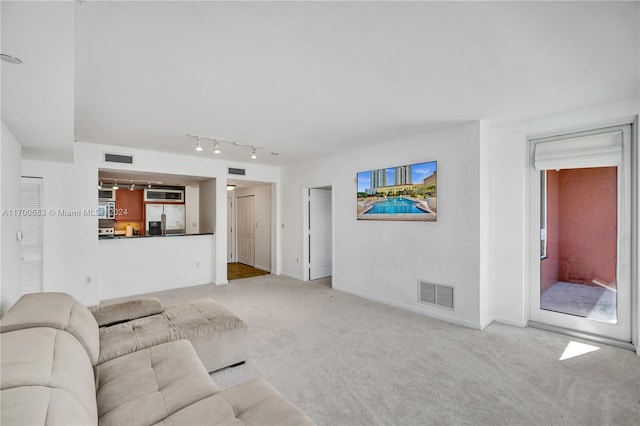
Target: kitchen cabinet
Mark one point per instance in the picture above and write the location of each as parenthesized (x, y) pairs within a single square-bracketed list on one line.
[(129, 206)]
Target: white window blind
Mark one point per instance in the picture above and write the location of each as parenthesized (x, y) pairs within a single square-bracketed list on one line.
[(600, 150), (31, 243)]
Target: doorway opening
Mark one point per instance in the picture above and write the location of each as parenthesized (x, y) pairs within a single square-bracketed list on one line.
[(579, 249), (318, 232), (251, 232)]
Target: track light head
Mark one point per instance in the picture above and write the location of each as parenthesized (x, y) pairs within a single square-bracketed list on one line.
[(198, 146), (253, 153), (216, 148)]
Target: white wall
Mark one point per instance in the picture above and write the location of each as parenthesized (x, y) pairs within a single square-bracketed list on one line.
[(132, 266), (69, 243), (383, 260), (192, 206), (10, 152), (207, 205), (510, 200), (262, 197), (486, 226), (71, 251)]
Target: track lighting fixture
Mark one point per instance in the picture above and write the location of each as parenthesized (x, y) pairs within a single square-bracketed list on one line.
[(217, 143), (131, 186)]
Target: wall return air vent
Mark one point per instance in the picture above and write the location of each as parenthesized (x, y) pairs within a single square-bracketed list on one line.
[(109, 157), (436, 294), (240, 172)]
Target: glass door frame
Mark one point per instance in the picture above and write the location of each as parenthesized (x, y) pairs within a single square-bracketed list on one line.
[(623, 333)]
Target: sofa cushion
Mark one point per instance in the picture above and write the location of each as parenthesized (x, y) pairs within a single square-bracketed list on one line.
[(214, 410), (46, 375), (219, 337), (125, 311), (257, 403), (40, 405), (55, 310), (147, 386)]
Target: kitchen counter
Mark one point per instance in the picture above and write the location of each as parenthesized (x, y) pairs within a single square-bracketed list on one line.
[(133, 237)]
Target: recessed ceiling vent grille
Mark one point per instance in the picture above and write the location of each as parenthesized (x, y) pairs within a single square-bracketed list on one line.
[(240, 172), (436, 294), (118, 158)]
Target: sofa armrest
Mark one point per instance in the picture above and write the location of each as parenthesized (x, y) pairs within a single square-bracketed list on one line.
[(125, 311)]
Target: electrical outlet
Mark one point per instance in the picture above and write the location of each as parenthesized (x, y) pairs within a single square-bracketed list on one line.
[(297, 260), (87, 279), (197, 264)]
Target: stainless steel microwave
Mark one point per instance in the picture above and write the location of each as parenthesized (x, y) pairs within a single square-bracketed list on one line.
[(106, 194), (164, 195), (106, 210)]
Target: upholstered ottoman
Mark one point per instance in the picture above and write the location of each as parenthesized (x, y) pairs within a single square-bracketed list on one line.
[(219, 337)]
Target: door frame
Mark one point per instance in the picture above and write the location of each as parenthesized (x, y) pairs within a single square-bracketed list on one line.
[(532, 231), (304, 260), (231, 225)]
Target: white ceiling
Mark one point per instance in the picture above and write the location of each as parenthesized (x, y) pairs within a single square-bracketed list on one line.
[(37, 96), (306, 79)]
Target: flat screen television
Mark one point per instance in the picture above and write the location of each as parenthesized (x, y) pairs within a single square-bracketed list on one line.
[(406, 193)]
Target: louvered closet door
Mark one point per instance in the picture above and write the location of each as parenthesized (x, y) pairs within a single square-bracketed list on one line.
[(31, 243)]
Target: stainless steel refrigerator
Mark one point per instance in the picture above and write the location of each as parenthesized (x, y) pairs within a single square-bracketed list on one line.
[(174, 222)]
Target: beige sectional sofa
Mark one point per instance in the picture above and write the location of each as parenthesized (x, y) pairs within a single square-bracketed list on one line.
[(51, 373)]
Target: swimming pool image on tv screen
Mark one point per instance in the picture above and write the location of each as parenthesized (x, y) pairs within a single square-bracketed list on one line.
[(406, 193), (395, 206)]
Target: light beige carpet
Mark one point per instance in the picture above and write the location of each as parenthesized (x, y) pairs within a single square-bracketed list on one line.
[(349, 361)]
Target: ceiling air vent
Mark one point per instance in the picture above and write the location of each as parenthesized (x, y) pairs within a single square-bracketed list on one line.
[(240, 172), (118, 158), (436, 294)]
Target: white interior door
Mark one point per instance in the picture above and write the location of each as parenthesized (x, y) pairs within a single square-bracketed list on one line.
[(31, 235), (568, 290), (320, 233), (246, 227)]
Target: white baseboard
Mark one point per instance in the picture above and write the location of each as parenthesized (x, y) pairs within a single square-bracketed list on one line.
[(262, 268), (417, 309), (519, 324), (485, 324), (285, 274)]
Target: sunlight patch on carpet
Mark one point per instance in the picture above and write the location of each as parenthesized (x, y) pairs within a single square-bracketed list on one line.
[(575, 349)]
